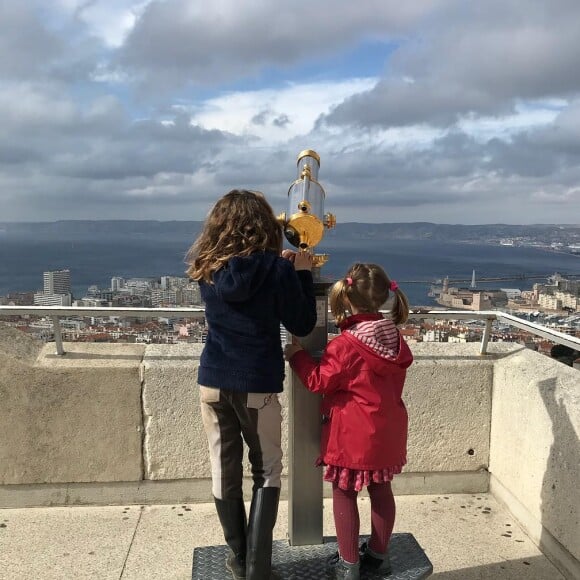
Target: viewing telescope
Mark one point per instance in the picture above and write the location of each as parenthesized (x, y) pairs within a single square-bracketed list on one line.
[(305, 220)]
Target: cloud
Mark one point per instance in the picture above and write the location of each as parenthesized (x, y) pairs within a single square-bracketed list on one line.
[(53, 151), (177, 42), (474, 59), (27, 47), (436, 110), (273, 115)]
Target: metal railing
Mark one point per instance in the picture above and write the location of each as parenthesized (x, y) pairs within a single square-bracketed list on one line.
[(497, 315), (58, 312)]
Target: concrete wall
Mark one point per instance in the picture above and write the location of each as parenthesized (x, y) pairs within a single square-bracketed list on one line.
[(449, 402), (69, 419), (448, 396), (535, 451), (175, 444), (129, 414), (108, 424)]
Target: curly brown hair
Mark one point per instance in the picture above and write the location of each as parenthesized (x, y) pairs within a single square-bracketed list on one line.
[(367, 288), (241, 222)]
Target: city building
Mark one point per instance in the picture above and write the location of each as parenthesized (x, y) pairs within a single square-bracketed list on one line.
[(56, 290), (165, 298), (173, 282), (42, 299), (117, 283), (468, 299), (57, 282)]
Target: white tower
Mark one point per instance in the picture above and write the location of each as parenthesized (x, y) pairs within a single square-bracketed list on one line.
[(473, 279)]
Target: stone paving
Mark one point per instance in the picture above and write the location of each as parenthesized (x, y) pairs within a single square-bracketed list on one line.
[(466, 537)]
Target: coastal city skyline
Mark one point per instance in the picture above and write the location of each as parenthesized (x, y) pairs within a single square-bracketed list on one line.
[(418, 254), (555, 293), (440, 111), (555, 303)]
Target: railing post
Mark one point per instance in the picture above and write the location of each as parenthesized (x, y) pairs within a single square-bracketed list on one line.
[(485, 337), (57, 335)]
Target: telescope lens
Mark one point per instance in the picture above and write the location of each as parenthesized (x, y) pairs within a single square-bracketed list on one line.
[(292, 236)]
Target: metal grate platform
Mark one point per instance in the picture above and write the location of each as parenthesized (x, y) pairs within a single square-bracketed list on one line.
[(408, 560)]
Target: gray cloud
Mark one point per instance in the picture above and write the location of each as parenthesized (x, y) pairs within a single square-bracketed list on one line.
[(57, 157), (261, 118), (27, 47), (281, 121), (269, 117), (177, 43), (475, 58), (74, 145)]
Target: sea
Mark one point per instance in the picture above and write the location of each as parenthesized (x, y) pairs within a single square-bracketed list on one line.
[(94, 259)]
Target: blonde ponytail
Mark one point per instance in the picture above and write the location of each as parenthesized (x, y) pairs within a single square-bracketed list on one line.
[(338, 300), (400, 310)]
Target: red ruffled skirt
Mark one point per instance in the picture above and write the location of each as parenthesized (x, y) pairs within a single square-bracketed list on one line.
[(356, 479)]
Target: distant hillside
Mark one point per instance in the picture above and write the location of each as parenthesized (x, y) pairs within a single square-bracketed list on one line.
[(346, 231), (455, 232), (101, 227)]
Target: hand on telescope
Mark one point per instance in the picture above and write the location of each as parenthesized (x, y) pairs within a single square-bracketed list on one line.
[(303, 261)]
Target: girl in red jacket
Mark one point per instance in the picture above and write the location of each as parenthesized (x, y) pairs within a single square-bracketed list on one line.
[(364, 434)]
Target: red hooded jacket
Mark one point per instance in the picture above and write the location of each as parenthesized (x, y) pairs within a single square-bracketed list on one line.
[(364, 418)]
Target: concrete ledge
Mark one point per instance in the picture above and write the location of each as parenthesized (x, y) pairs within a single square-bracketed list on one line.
[(75, 418), (535, 444), (198, 490), (449, 404), (553, 550), (441, 482), (448, 397), (174, 445)]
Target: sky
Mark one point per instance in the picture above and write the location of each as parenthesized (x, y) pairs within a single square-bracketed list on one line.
[(446, 111)]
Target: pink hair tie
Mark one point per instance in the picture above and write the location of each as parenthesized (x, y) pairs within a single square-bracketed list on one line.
[(348, 281), (394, 286)]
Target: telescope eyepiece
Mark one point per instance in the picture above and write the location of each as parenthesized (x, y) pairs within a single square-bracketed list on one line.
[(292, 236)]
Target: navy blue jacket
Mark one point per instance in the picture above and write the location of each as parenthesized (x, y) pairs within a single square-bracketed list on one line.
[(249, 298)]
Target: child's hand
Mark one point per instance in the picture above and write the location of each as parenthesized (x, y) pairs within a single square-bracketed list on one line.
[(290, 350), (303, 261)]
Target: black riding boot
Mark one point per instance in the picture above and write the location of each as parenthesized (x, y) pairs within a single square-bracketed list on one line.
[(263, 513), (232, 515)]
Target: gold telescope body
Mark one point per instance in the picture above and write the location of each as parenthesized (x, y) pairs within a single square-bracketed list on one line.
[(305, 221)]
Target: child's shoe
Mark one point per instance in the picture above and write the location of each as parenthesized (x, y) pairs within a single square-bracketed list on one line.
[(370, 561), (345, 570)]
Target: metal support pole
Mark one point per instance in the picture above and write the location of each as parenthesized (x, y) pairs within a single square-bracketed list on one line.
[(57, 335), (304, 479), (485, 337)]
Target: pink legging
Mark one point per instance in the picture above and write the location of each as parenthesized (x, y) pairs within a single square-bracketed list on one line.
[(347, 522)]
